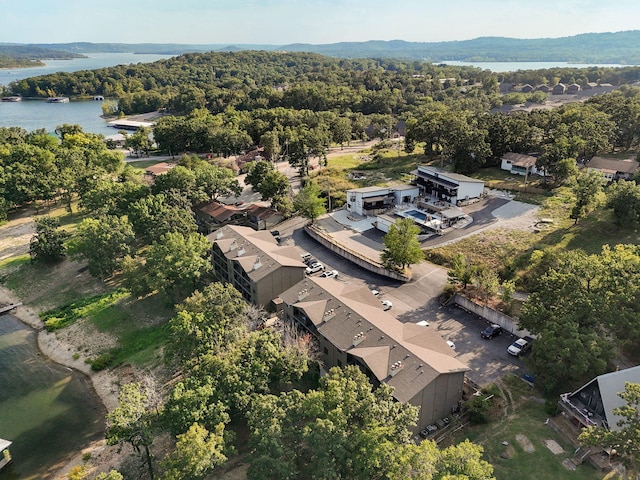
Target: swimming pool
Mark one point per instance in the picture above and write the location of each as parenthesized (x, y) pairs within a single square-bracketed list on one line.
[(417, 214)]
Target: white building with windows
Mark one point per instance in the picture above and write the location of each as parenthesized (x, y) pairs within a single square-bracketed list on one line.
[(371, 201), (454, 188)]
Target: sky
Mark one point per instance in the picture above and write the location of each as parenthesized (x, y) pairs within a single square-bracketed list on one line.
[(281, 22)]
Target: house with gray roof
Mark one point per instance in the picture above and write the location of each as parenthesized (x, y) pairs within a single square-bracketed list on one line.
[(519, 164), (593, 403), (613, 169), (254, 263), (352, 328)]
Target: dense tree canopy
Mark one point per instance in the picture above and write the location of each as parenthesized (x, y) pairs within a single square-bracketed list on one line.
[(581, 303)]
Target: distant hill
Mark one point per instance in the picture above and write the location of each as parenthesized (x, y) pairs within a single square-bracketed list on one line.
[(617, 48), (17, 55)]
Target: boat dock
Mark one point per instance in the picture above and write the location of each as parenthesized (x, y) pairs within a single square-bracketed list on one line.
[(5, 456), (6, 309)]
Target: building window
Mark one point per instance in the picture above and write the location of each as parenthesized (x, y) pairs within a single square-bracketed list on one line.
[(326, 351), (339, 363)]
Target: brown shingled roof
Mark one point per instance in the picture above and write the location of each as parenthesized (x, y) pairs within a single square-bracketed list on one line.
[(353, 320)]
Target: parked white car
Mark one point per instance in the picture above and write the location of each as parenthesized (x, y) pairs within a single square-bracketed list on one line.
[(375, 292), (451, 344), (314, 268), (330, 274), (519, 347), (386, 304)]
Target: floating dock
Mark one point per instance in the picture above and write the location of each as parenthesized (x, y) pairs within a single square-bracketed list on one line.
[(5, 455), (5, 309)]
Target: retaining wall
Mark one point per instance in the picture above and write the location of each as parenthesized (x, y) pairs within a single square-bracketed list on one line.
[(329, 242), (508, 323)]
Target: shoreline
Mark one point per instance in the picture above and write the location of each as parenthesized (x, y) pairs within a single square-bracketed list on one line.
[(103, 388), (60, 352)]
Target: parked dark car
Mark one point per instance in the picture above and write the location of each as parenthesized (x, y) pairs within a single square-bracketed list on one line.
[(491, 331), (275, 233)]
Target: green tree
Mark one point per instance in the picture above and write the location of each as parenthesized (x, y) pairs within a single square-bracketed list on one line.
[(461, 271), (207, 321), (214, 182), (564, 170), (587, 188), (197, 452), (131, 422), (177, 263), (426, 462), (344, 429), (102, 242), (402, 248), (624, 199), (271, 143), (194, 400), (112, 475), (308, 202), (269, 183), (626, 438), (153, 216), (139, 142), (47, 245)]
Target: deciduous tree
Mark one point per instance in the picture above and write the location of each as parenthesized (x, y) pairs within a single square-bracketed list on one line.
[(131, 422), (177, 263), (308, 202), (197, 452), (402, 248), (47, 245), (102, 242)]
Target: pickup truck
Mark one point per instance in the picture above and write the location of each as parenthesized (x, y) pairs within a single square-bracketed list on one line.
[(520, 346)]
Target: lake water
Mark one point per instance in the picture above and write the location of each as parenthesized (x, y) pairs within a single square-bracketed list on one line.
[(514, 66), (49, 412), (35, 114)]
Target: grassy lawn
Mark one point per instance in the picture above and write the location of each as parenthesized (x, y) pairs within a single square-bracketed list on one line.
[(524, 417), (140, 327)]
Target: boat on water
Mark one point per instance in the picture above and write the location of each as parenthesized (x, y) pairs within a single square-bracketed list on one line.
[(13, 98), (58, 100), (5, 455), (98, 98)]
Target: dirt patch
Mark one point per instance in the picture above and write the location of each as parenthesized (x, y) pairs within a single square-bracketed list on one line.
[(554, 446), (15, 237), (525, 443)]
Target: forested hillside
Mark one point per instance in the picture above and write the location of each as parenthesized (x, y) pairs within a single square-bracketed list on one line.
[(618, 47), (18, 56)]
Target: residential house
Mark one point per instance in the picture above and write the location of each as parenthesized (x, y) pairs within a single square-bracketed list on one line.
[(254, 263), (453, 188), (526, 88), (612, 169), (519, 164), (543, 88), (573, 89), (559, 89), (211, 216), (352, 328), (369, 201), (261, 217), (254, 155), (593, 403)]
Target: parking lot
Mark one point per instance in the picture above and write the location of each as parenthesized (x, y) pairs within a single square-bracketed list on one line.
[(419, 300)]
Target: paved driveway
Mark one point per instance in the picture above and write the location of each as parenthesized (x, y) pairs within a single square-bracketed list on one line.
[(420, 300)]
